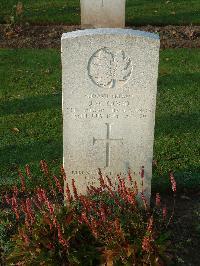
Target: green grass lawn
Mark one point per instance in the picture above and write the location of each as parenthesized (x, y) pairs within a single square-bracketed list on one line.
[(138, 12), (31, 116)]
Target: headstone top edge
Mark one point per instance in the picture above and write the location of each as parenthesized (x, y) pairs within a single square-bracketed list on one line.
[(110, 31)]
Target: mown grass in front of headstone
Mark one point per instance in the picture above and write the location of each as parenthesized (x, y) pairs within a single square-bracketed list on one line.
[(31, 121), (31, 115), (138, 12), (177, 117)]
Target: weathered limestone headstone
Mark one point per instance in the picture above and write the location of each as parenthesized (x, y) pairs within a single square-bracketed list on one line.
[(103, 13), (109, 100)]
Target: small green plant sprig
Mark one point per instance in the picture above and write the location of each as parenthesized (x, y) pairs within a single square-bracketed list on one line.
[(108, 226)]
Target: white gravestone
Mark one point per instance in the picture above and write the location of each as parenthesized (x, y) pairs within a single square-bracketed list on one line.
[(109, 100), (103, 13)]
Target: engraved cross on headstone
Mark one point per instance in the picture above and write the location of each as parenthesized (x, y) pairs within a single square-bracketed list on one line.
[(108, 141)]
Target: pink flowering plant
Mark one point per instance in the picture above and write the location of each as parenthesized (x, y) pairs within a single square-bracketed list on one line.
[(104, 227)]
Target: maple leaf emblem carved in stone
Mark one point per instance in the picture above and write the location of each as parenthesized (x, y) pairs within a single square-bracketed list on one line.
[(108, 69)]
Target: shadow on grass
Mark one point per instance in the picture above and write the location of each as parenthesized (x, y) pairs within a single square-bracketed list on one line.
[(68, 15), (177, 18), (14, 157), (180, 79), (34, 152), (175, 124), (188, 180), (30, 104)]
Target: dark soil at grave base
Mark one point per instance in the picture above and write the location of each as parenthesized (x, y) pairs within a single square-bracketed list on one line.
[(49, 36), (184, 244)]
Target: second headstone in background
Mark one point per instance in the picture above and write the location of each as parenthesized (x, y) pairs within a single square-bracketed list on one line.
[(103, 13)]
